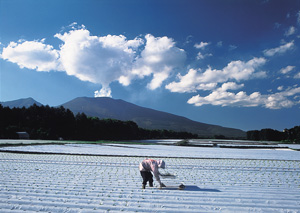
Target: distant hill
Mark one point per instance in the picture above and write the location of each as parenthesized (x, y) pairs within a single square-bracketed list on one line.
[(25, 102), (145, 117)]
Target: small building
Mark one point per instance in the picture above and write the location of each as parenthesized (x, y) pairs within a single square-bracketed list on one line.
[(23, 135)]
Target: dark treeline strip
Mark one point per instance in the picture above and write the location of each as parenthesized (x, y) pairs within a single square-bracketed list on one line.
[(50, 123), (288, 135)]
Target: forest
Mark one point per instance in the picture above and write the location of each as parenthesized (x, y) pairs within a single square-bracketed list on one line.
[(288, 135), (53, 123)]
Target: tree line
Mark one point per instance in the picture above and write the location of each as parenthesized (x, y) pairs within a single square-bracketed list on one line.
[(288, 135), (52, 123)]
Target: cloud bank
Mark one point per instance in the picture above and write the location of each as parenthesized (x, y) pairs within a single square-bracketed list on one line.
[(236, 70), (223, 84), (115, 58), (240, 99), (101, 59)]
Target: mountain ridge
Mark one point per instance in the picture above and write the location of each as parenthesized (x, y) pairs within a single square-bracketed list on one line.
[(104, 107), (19, 103), (145, 117)]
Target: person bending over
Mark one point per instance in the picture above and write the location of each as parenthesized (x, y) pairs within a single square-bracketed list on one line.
[(146, 167)]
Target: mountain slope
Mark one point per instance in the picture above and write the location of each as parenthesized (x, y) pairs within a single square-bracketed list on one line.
[(145, 117), (24, 102)]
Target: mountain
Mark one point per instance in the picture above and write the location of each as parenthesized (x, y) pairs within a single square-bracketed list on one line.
[(25, 102), (146, 118)]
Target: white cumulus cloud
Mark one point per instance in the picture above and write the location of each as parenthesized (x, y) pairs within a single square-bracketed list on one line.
[(224, 98), (298, 18), (103, 92), (198, 80), (297, 75), (201, 45), (290, 31), (287, 69), (280, 88), (279, 50), (191, 82), (100, 60), (32, 55), (201, 56), (159, 58)]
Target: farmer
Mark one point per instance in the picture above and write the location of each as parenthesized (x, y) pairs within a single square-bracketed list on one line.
[(146, 167)]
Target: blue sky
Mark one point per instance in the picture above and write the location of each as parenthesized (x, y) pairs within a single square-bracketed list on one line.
[(230, 63)]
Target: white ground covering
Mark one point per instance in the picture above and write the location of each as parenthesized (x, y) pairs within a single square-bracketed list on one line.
[(162, 150), (81, 183), (18, 141)]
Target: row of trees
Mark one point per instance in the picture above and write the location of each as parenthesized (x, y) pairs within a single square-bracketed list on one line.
[(44, 122), (288, 135)]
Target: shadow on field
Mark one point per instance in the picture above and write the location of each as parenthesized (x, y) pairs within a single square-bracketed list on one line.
[(196, 188), (191, 188)]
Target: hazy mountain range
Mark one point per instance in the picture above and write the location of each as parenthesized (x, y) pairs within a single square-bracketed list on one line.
[(24, 102), (144, 117)]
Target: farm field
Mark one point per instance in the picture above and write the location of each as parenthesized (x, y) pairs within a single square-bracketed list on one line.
[(159, 151), (86, 183)]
